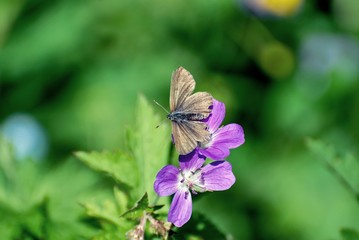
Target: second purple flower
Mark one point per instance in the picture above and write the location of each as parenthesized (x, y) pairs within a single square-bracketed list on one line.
[(222, 138), (191, 177)]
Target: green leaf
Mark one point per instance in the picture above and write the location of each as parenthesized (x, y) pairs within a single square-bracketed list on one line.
[(37, 203), (119, 165), (148, 153), (107, 212), (156, 207), (345, 166), (150, 145), (138, 210), (34, 220), (349, 234), (140, 207)]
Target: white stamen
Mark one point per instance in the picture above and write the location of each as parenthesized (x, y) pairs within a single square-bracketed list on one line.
[(191, 180)]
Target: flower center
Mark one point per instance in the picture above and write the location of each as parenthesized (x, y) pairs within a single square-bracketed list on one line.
[(192, 180)]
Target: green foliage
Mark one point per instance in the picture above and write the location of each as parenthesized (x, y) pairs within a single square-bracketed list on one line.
[(107, 215), (140, 207), (349, 234), (116, 164), (134, 170), (147, 153), (150, 145), (121, 199), (38, 202), (345, 166), (137, 211)]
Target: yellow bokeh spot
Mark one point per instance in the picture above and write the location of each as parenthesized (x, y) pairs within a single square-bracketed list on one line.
[(280, 7)]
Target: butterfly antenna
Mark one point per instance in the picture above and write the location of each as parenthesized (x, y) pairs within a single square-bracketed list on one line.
[(164, 110), (162, 107)]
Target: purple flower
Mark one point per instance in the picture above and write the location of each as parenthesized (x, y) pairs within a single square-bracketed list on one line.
[(222, 138), (191, 177)]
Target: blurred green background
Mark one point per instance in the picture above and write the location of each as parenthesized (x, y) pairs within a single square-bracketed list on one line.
[(71, 71)]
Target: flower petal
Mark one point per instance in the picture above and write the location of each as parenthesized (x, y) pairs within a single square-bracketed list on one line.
[(191, 161), (217, 115), (167, 181), (215, 151), (218, 176), (181, 208), (225, 138), (231, 135)]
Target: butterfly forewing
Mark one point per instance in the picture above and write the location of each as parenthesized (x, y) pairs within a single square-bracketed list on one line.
[(197, 130), (182, 85), (197, 103)]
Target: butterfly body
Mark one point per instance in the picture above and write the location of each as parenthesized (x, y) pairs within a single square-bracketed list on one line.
[(181, 117), (187, 111)]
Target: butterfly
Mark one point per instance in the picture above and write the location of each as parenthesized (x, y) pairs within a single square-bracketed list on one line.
[(187, 111)]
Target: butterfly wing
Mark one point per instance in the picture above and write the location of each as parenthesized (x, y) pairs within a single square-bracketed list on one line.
[(184, 143), (197, 103), (182, 85), (188, 134)]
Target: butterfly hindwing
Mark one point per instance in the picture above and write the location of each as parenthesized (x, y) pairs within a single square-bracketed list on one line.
[(183, 141), (188, 135)]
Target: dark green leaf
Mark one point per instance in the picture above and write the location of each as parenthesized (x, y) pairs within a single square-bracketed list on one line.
[(349, 234), (138, 210), (199, 226), (157, 207)]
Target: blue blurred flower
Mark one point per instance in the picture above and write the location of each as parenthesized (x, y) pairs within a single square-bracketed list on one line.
[(26, 135), (324, 57)]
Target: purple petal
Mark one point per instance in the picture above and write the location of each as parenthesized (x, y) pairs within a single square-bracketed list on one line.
[(191, 161), (181, 208), (217, 115), (215, 151), (218, 176), (167, 181), (231, 135), (225, 138)]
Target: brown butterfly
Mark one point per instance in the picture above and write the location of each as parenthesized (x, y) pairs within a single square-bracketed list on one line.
[(187, 111)]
